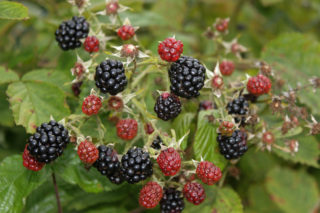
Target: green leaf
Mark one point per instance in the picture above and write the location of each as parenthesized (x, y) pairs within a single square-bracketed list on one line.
[(6, 118), (259, 200), (13, 10), (182, 124), (293, 65), (17, 182), (205, 143), (59, 79), (292, 191), (32, 103), (308, 152), (270, 2), (70, 168), (7, 76), (227, 201)]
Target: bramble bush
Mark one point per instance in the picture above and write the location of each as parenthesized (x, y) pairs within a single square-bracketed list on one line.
[(119, 122)]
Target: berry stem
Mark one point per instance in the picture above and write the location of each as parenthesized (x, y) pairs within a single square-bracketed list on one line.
[(57, 192), (224, 175)]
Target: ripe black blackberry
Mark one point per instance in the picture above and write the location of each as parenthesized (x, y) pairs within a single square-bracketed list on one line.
[(172, 201), (108, 164), (238, 107), (70, 32), (110, 77), (48, 142), (167, 106), (187, 77), (136, 165), (234, 146), (156, 143)]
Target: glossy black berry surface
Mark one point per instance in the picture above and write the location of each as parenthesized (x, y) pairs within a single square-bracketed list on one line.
[(70, 32), (187, 77), (239, 108), (110, 77), (234, 146), (172, 201), (136, 165), (167, 106), (156, 143), (108, 164), (48, 142)]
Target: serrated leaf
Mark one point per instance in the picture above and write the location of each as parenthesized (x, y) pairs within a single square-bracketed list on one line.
[(7, 76), (13, 10), (205, 142), (308, 152), (59, 79), (32, 103), (227, 201), (291, 64), (17, 182), (292, 191), (181, 125), (70, 168)]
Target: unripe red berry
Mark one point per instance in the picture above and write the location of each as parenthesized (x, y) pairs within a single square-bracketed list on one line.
[(148, 128), (170, 49), (169, 161), (126, 32), (226, 67), (208, 172), (226, 128), (30, 162), (150, 195), (194, 193), (222, 25), (127, 128), (91, 105), (88, 152), (259, 85), (78, 70), (205, 105), (91, 44)]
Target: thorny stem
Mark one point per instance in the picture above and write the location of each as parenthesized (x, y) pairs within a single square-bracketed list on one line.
[(57, 192)]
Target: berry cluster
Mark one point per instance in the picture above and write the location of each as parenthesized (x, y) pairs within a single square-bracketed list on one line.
[(70, 32), (259, 85), (170, 49), (239, 108), (226, 67), (126, 32), (108, 164), (167, 106), (88, 152), (91, 105), (127, 129), (136, 165), (110, 77), (91, 44), (187, 77), (208, 172), (30, 162), (234, 146), (169, 161), (172, 201), (48, 142)]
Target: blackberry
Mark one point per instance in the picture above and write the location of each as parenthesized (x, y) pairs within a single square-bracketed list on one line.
[(187, 77), (136, 165), (110, 77), (48, 142), (108, 164), (70, 32), (167, 106), (239, 108), (172, 201), (233, 146), (156, 143)]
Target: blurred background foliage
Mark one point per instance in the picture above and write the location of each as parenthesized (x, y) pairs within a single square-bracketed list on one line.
[(265, 182)]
